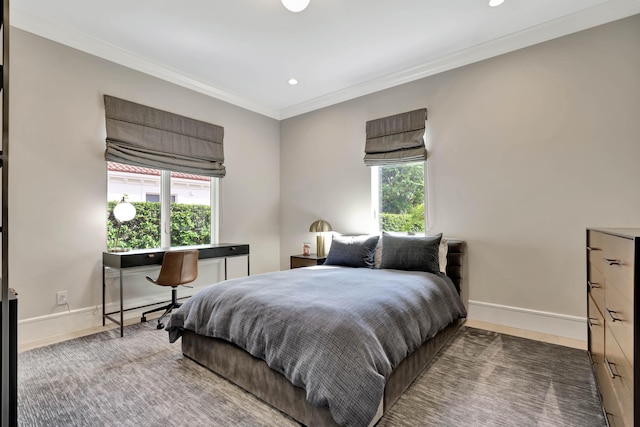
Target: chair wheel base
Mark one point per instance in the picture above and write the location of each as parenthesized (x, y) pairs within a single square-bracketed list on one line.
[(160, 326)]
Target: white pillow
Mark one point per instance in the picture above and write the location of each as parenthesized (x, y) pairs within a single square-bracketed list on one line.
[(443, 251)]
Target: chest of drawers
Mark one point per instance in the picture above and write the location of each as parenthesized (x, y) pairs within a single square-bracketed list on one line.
[(612, 281)]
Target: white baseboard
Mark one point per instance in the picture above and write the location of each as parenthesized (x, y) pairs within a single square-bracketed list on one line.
[(560, 325), (74, 322), (77, 322), (47, 327)]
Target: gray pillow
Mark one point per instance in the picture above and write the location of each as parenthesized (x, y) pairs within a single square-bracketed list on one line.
[(411, 253), (352, 251)]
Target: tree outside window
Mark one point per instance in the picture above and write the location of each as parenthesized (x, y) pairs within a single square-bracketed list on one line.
[(401, 201)]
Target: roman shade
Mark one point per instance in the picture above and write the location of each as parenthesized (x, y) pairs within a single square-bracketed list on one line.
[(144, 136), (396, 139)]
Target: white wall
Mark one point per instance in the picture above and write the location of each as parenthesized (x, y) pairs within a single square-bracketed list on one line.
[(58, 180), (526, 150)]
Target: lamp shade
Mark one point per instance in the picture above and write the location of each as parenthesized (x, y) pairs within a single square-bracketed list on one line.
[(320, 226), (296, 5), (124, 211)]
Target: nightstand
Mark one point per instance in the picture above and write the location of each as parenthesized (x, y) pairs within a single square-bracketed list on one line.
[(298, 261)]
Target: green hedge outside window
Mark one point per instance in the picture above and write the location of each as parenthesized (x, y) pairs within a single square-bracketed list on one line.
[(190, 225)]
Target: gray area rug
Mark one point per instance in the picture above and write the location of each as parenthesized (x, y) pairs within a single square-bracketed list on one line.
[(480, 379)]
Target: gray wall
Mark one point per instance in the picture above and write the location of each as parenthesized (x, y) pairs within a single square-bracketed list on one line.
[(58, 180), (526, 150)]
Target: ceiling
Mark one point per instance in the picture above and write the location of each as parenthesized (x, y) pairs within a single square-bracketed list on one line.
[(245, 51)]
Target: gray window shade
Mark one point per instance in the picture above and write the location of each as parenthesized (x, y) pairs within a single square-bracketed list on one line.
[(144, 136), (396, 139)]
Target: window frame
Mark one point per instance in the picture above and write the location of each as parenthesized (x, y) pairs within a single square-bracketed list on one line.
[(146, 197), (376, 224), (165, 208)]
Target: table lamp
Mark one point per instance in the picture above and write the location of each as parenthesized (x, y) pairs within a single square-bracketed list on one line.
[(123, 211), (320, 226)]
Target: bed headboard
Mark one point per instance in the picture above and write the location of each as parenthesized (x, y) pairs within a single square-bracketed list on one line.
[(455, 261), (456, 250)]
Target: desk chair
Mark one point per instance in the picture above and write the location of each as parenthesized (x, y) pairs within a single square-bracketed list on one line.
[(178, 268)]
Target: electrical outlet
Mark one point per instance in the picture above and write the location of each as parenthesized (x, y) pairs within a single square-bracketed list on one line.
[(62, 297)]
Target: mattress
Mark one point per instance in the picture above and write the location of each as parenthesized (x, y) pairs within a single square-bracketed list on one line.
[(337, 333)]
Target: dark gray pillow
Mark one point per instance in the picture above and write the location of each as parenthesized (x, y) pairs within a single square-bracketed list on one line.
[(411, 253), (352, 251)]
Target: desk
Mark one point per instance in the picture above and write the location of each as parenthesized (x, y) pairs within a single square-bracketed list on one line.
[(142, 257)]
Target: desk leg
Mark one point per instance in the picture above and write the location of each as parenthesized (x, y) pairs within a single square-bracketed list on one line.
[(121, 308), (104, 284), (248, 267)]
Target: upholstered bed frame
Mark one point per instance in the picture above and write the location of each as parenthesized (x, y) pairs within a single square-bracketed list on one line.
[(255, 376)]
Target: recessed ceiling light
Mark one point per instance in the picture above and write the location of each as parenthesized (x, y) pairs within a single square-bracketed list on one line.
[(494, 3), (293, 82), (296, 5)]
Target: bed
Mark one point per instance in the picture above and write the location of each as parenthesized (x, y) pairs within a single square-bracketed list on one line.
[(316, 384)]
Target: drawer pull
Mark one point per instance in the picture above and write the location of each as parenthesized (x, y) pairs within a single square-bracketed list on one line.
[(593, 285), (611, 315), (608, 365), (613, 261), (151, 255), (591, 322), (589, 248), (233, 248)]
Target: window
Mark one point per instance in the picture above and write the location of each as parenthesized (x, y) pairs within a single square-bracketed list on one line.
[(155, 197), (188, 202), (398, 197), (190, 215)]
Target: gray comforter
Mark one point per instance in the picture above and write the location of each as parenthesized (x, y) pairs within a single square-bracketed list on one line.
[(337, 332)]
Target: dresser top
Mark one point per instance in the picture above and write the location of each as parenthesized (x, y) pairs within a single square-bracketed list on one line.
[(630, 233)]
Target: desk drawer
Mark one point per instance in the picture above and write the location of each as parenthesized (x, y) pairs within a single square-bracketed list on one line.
[(131, 259), (224, 251), (144, 257)]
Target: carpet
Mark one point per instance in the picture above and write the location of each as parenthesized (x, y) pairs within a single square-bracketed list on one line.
[(480, 378)]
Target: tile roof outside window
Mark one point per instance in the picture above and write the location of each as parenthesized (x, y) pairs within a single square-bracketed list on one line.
[(120, 167)]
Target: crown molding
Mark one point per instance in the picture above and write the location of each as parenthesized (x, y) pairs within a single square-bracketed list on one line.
[(607, 11), (60, 34), (585, 19)]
